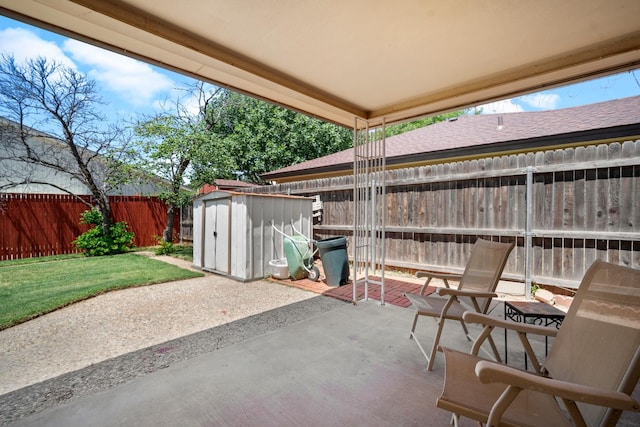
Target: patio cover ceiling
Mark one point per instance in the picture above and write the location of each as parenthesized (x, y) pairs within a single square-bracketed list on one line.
[(337, 59)]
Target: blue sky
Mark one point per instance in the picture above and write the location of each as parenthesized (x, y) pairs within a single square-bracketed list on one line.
[(134, 88), (130, 87)]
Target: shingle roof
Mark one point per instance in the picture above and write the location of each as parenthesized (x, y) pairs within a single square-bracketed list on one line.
[(468, 135)]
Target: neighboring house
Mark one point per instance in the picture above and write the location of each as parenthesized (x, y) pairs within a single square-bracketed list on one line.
[(486, 135), (46, 180)]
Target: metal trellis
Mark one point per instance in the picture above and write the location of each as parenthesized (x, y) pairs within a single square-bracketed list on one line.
[(369, 207)]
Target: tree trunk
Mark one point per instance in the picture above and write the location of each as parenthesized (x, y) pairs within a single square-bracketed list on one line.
[(105, 209), (168, 231)]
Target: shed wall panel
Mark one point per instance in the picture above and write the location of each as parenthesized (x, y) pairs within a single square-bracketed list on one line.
[(198, 218)]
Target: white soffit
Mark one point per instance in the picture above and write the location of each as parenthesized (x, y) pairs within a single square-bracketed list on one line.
[(340, 59)]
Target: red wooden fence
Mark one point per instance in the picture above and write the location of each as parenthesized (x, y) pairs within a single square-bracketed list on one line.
[(33, 225)]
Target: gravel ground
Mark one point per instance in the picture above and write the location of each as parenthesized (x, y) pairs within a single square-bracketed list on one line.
[(112, 338)]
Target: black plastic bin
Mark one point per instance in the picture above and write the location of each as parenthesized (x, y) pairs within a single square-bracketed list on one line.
[(335, 261)]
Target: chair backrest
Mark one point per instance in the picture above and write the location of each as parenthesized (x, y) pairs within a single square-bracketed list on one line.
[(484, 269), (599, 341)]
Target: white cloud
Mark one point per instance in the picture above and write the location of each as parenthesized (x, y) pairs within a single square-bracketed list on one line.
[(191, 104), (538, 101), (542, 101), (503, 106), (23, 44), (184, 100), (134, 81)]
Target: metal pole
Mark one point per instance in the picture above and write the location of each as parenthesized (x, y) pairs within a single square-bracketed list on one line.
[(383, 192), (356, 210), (367, 198), (372, 231)]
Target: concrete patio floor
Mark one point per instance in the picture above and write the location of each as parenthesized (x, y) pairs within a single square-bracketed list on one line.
[(347, 365)]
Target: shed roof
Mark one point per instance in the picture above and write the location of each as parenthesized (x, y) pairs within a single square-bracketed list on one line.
[(225, 184), (490, 134), (229, 183), (228, 194), (371, 59)]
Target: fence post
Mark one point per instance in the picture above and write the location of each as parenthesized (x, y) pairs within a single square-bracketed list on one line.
[(528, 234)]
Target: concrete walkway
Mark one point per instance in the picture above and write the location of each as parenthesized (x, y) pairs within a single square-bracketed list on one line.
[(121, 322)]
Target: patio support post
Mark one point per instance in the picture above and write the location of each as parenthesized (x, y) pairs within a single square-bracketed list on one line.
[(369, 198)]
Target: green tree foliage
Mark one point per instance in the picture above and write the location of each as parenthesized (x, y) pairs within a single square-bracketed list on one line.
[(427, 121), (171, 143), (259, 137), (167, 146), (97, 241)]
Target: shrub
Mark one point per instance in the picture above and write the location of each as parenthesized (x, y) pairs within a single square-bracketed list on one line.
[(95, 242), (164, 248)]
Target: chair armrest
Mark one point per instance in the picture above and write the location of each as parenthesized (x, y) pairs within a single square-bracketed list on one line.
[(465, 293), (525, 328), (490, 372), (445, 277), (442, 276)]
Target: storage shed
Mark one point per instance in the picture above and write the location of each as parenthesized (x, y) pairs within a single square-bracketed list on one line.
[(233, 234)]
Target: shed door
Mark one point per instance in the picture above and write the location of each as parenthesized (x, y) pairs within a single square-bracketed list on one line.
[(216, 235)]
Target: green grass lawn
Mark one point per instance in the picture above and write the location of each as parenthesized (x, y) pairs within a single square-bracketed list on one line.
[(184, 252), (32, 287)]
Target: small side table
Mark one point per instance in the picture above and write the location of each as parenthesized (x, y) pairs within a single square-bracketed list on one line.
[(532, 312)]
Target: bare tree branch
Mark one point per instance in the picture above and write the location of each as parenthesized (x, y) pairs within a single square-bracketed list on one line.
[(77, 145)]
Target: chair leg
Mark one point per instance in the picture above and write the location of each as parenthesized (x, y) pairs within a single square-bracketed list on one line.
[(494, 349), (434, 348), (424, 353), (466, 331), (413, 327), (413, 336)]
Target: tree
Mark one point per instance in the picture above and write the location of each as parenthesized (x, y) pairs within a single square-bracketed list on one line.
[(259, 137), (46, 95), (427, 121), (170, 142)]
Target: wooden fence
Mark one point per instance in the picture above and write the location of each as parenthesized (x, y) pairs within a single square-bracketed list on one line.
[(186, 224), (34, 225), (563, 208)]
